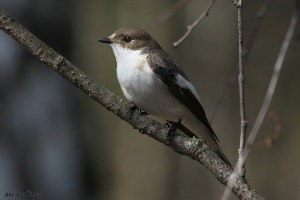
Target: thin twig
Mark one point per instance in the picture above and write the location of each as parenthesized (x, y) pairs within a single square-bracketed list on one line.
[(248, 46), (171, 11), (195, 149), (273, 82), (191, 27), (241, 78), (239, 169)]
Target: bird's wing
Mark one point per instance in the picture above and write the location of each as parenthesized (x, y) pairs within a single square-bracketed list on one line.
[(178, 84)]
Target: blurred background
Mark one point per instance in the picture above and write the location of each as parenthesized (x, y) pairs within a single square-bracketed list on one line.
[(57, 141)]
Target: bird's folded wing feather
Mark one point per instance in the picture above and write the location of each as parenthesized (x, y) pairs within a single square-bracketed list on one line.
[(182, 90)]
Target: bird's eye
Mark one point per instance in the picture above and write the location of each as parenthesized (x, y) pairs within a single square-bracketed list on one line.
[(127, 39)]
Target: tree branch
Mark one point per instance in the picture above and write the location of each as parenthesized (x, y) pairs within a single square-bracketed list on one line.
[(191, 27), (196, 149)]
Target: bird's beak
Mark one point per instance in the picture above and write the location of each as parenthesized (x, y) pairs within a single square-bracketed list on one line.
[(105, 40)]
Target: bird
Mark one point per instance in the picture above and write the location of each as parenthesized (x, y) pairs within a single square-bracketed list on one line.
[(151, 79)]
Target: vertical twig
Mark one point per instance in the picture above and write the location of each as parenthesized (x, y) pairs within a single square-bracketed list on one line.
[(239, 170), (241, 78)]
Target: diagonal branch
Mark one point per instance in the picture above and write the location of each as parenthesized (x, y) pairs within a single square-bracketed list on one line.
[(193, 148), (191, 27), (171, 11), (273, 82)]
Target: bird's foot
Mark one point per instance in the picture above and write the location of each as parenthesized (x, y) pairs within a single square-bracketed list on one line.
[(133, 108), (172, 129)]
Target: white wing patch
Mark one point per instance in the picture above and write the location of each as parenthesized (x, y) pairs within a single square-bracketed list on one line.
[(182, 82), (128, 58)]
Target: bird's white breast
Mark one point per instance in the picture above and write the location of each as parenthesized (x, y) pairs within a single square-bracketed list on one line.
[(131, 71), (143, 87)]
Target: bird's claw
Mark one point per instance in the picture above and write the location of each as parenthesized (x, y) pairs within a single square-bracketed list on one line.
[(133, 108), (172, 129)]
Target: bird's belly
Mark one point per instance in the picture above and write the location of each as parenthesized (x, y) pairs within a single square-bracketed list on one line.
[(144, 88), (159, 102)]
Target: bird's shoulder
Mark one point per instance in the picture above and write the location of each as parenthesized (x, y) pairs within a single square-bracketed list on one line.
[(163, 64)]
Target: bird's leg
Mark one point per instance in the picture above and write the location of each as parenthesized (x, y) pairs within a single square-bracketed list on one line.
[(172, 128), (133, 108)]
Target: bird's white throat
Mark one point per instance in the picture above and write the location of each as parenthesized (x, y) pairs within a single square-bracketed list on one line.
[(128, 57)]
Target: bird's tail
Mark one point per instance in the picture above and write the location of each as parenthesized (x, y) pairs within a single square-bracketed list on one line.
[(222, 155)]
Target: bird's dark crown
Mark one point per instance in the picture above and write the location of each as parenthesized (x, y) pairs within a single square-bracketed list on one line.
[(134, 39)]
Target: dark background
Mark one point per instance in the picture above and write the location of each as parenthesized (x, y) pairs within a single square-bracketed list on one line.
[(57, 141)]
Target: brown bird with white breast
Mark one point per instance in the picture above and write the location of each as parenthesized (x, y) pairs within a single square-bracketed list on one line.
[(153, 81)]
